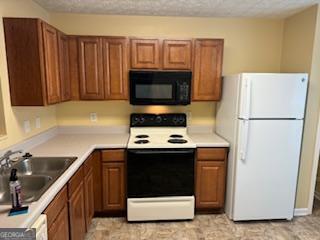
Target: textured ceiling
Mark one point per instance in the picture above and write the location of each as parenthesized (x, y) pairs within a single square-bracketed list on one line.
[(200, 8)]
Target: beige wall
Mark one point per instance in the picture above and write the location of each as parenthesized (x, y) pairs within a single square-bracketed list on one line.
[(118, 112), (15, 116), (301, 53), (250, 44), (247, 48)]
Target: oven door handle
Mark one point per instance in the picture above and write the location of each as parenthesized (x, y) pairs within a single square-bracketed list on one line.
[(162, 151)]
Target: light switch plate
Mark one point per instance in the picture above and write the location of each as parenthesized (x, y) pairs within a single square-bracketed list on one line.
[(26, 126), (38, 122), (93, 117)]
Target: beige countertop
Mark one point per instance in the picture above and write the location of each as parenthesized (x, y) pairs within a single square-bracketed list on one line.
[(81, 146), (208, 140)]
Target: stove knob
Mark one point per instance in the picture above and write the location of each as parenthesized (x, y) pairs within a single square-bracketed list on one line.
[(175, 120), (142, 120), (158, 119), (181, 120), (135, 120)]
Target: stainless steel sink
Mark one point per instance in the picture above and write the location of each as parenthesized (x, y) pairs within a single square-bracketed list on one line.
[(51, 166), (36, 175), (32, 188)]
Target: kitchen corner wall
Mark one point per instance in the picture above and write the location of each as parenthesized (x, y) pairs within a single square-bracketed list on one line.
[(14, 116), (301, 53), (251, 45)]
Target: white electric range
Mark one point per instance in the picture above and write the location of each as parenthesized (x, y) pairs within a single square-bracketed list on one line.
[(160, 168)]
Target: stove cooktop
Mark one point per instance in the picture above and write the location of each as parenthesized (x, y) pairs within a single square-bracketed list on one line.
[(159, 137), (159, 131)]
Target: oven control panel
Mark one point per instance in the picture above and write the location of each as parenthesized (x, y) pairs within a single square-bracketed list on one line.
[(158, 120)]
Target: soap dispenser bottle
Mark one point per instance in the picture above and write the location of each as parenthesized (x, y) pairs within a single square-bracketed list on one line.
[(15, 189)]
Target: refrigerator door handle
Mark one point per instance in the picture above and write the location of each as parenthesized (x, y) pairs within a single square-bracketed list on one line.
[(248, 99), (244, 140)]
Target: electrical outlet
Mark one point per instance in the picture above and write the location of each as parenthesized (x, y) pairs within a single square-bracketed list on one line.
[(38, 122), (93, 117), (26, 126)]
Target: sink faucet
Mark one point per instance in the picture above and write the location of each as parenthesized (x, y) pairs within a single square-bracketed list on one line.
[(6, 157)]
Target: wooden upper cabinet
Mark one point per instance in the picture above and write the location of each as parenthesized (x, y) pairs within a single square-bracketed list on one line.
[(91, 68), (115, 68), (74, 67), (207, 69), (65, 84), (51, 61), (177, 54), (33, 61), (145, 53)]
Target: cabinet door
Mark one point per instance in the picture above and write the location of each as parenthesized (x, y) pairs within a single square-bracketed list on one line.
[(177, 54), (90, 68), (59, 230), (210, 184), (89, 197), (77, 214), (115, 68), (97, 179), (145, 53), (65, 84), (207, 70), (74, 67), (113, 186), (51, 63)]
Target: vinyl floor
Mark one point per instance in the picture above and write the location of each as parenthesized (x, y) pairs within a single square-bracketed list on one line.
[(207, 227)]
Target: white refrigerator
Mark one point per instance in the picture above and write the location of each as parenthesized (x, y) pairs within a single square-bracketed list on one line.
[(262, 115)]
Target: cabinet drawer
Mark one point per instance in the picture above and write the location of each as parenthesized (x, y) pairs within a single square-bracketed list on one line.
[(75, 181), (211, 154), (113, 155), (56, 205)]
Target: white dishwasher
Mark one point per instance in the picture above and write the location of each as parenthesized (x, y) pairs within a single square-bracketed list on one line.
[(41, 227)]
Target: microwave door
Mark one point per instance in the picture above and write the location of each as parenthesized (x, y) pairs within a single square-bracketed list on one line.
[(153, 93)]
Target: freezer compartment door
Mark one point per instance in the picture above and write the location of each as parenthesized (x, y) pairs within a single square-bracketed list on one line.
[(266, 171), (273, 95)]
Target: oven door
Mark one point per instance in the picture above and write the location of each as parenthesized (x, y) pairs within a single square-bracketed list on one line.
[(160, 172)]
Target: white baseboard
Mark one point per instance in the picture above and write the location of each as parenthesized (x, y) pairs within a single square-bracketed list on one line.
[(301, 212)]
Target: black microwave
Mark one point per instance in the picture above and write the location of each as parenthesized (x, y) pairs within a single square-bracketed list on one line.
[(160, 87)]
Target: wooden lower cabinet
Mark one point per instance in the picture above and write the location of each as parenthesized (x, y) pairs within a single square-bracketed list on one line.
[(210, 178), (77, 214), (113, 186), (97, 179), (59, 230), (57, 216), (89, 197)]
